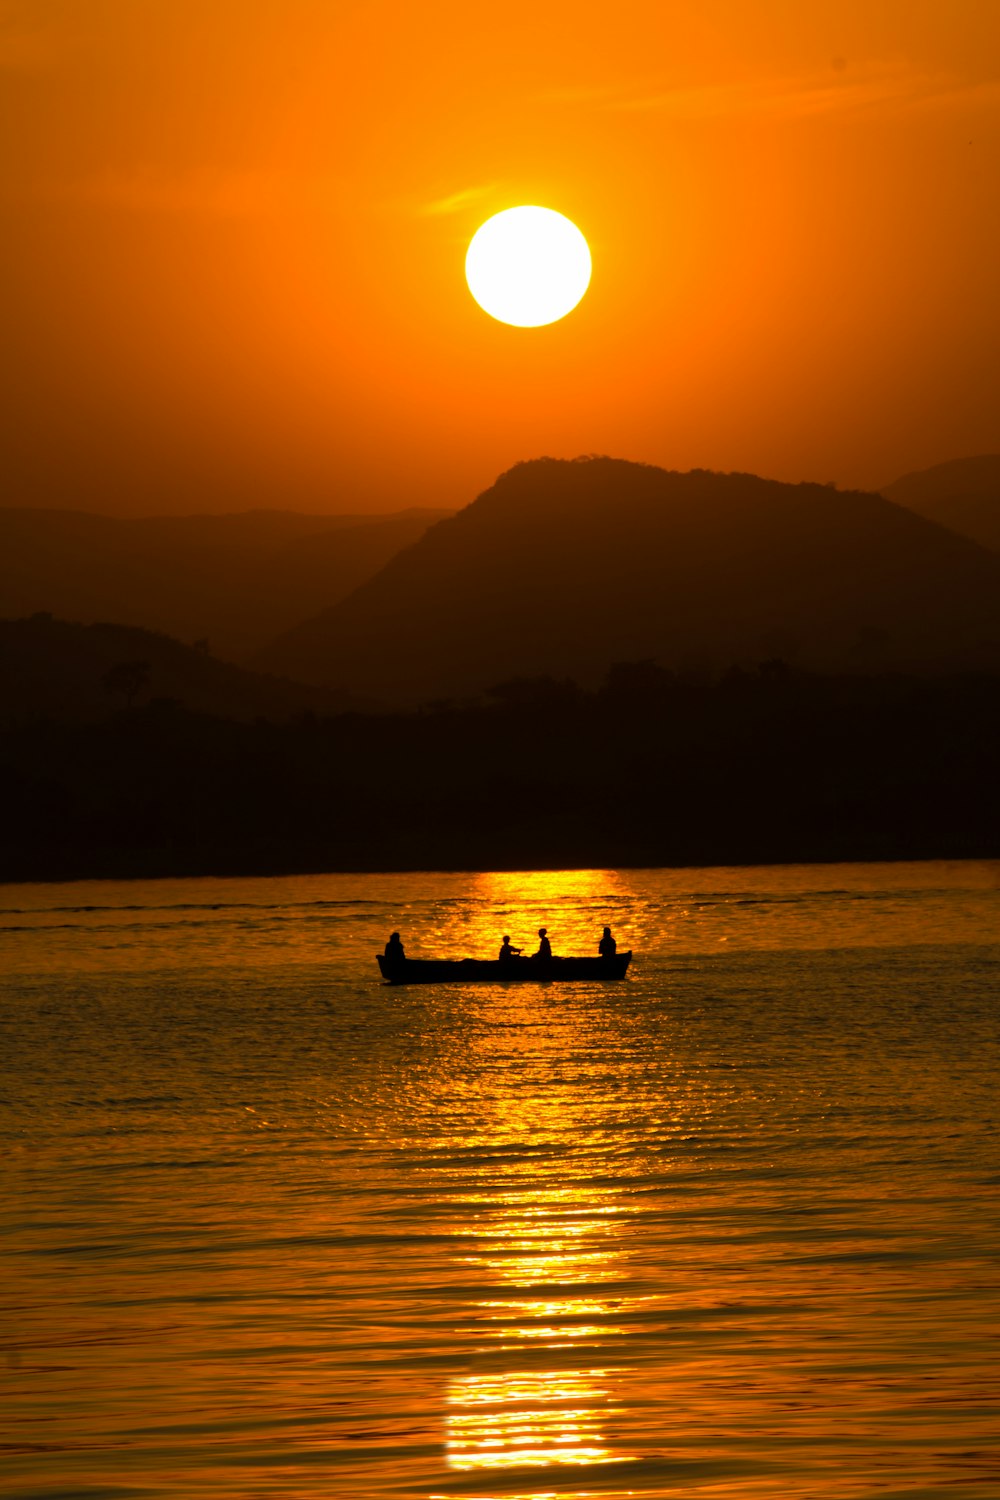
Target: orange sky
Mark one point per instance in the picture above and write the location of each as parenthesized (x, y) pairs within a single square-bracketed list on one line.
[(232, 235)]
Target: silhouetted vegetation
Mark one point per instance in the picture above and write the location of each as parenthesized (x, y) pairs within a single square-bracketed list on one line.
[(654, 768), (128, 678), (68, 672)]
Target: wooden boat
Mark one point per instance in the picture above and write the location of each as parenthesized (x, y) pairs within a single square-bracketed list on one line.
[(492, 971)]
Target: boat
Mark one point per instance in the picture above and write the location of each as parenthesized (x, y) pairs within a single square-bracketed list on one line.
[(492, 971)]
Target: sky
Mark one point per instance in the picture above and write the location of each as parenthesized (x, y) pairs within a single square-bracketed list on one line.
[(232, 240)]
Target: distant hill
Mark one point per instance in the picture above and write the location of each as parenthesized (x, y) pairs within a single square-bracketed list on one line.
[(963, 495), (80, 673), (235, 580), (564, 567)]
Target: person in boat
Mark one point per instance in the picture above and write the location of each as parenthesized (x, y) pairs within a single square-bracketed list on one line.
[(394, 949), (544, 946), (507, 952), (607, 947)]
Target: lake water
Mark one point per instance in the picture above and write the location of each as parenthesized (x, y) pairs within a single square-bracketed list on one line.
[(729, 1229)]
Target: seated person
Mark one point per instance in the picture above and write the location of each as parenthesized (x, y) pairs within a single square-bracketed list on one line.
[(607, 947), (394, 949), (544, 946), (507, 952)]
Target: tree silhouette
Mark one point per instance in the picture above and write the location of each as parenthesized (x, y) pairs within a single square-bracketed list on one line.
[(128, 678), (536, 693)]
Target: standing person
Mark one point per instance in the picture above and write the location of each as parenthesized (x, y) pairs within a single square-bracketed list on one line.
[(607, 947), (507, 952), (394, 949), (544, 946)]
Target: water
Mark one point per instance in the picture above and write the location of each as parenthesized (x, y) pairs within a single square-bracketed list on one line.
[(727, 1230)]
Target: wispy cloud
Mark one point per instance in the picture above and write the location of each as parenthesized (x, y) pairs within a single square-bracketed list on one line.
[(841, 89), (456, 202)]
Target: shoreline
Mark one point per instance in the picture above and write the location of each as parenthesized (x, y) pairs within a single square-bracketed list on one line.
[(233, 870)]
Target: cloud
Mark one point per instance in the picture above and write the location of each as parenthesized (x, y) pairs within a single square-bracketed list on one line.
[(842, 89), (457, 201)]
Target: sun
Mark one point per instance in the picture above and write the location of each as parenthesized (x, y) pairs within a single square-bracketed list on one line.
[(528, 266)]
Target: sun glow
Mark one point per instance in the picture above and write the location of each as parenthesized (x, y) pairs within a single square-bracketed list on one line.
[(528, 266)]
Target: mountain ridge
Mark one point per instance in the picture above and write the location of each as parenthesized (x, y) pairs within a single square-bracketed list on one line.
[(962, 494), (564, 566), (66, 672), (235, 580)]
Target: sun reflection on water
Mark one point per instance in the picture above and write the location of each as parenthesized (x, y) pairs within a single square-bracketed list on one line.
[(546, 1239), (550, 1250), (572, 904), (529, 1419)]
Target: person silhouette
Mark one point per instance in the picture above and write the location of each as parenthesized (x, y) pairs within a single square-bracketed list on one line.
[(394, 949), (507, 952), (607, 947), (544, 946)]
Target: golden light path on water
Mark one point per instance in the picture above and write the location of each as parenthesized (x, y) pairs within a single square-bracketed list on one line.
[(536, 1418), (572, 904), (547, 1249)]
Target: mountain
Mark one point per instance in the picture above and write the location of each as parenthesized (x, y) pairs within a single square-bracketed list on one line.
[(563, 567), (78, 673), (235, 580), (963, 495)]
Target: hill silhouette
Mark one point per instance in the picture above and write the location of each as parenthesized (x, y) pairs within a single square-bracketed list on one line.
[(68, 673), (564, 567), (235, 580), (963, 495)]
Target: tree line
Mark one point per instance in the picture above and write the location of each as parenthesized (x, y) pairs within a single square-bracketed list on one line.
[(651, 768)]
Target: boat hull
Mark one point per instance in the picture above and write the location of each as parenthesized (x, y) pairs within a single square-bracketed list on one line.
[(492, 971)]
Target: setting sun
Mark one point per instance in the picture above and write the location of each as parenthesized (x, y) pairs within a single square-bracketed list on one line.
[(528, 266)]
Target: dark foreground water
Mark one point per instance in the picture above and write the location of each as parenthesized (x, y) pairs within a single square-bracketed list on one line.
[(729, 1229)]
